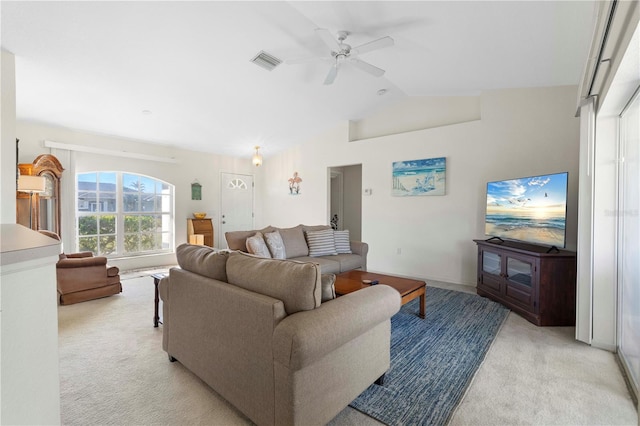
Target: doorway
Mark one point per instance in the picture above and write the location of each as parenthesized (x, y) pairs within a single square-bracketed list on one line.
[(345, 199), (236, 204)]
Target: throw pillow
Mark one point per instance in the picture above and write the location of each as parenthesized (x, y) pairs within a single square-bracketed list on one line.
[(328, 282), (257, 246), (275, 244), (342, 241), (321, 243), (294, 243)]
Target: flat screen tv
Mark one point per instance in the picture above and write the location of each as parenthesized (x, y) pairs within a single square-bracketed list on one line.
[(531, 209)]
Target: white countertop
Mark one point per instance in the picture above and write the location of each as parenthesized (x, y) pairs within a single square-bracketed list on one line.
[(19, 243)]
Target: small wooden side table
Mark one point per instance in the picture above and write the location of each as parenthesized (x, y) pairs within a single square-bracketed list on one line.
[(156, 300)]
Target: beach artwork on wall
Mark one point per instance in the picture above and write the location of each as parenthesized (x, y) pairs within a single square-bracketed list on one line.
[(419, 177)]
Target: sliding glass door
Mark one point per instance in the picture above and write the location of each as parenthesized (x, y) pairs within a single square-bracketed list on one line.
[(629, 241)]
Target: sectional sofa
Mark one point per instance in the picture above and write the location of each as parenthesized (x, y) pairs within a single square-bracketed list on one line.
[(259, 332)]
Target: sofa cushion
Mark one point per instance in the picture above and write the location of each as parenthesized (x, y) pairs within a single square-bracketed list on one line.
[(342, 241), (349, 261), (275, 244), (321, 243), (237, 240), (294, 243), (307, 228), (257, 246), (296, 284), (328, 287), (328, 264), (203, 260)]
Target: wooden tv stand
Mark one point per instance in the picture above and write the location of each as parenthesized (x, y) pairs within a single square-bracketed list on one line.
[(533, 281)]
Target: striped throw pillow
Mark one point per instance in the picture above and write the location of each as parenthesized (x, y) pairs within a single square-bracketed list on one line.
[(342, 241), (321, 243)]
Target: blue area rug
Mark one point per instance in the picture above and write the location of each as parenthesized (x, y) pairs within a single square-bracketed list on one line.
[(434, 359)]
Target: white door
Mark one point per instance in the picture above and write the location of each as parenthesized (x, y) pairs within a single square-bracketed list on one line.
[(236, 204)]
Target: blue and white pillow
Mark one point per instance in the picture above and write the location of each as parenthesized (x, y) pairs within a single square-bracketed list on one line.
[(343, 246), (321, 243)]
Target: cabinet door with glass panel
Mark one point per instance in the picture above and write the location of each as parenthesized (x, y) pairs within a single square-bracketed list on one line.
[(491, 276), (519, 274)]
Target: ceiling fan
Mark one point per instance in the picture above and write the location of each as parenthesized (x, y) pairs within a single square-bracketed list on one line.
[(342, 53)]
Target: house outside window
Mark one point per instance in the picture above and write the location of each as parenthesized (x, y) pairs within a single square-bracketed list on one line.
[(123, 214)]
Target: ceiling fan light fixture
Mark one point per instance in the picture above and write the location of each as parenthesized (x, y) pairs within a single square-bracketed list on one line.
[(257, 157), (342, 53)]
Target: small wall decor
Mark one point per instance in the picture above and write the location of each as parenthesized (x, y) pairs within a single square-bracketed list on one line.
[(334, 222), (419, 177), (196, 191), (294, 184)]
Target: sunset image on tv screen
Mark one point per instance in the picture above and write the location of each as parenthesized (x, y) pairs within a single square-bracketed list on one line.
[(531, 209)]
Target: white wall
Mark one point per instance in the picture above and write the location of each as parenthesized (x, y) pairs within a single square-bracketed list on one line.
[(8, 138), (521, 132), (189, 166)]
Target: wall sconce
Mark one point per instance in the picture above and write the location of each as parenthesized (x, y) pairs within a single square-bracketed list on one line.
[(31, 185), (257, 158)]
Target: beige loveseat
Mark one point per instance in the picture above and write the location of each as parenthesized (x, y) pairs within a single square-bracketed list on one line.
[(255, 330), (297, 248)]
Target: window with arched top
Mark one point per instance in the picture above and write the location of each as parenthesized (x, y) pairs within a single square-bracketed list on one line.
[(237, 184), (123, 214)]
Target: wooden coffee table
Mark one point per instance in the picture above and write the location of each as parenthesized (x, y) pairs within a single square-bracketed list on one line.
[(409, 289)]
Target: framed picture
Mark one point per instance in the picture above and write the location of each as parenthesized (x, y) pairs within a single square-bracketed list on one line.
[(419, 177)]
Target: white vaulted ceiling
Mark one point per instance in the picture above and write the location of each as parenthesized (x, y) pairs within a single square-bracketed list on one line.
[(96, 66)]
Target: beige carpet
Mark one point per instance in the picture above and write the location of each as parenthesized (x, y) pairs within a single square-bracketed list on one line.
[(113, 371)]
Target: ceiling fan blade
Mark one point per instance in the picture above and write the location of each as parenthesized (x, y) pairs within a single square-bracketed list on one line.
[(373, 45), (367, 67), (333, 72), (328, 39)]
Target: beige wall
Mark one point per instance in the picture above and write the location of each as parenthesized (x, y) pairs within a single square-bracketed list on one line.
[(521, 132), (188, 166)]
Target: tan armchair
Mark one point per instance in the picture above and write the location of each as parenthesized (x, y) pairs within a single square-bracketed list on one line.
[(82, 277)]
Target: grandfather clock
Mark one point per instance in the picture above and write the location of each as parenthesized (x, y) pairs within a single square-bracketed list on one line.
[(45, 209)]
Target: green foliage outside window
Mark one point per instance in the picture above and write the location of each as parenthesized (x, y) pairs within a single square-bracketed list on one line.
[(142, 233), (88, 230)]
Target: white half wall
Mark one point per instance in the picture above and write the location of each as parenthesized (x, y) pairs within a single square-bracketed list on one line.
[(522, 132)]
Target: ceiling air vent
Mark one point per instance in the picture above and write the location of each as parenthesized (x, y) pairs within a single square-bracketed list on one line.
[(266, 60)]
